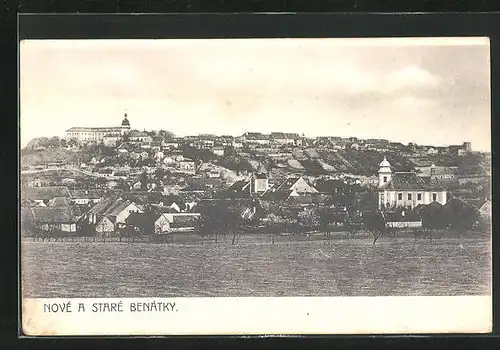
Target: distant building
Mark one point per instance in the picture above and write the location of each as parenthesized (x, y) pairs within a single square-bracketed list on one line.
[(97, 134), (407, 189), (259, 183), (186, 165), (297, 185), (443, 172), (255, 138), (83, 197), (218, 151), (136, 136), (51, 218), (42, 195), (110, 210)]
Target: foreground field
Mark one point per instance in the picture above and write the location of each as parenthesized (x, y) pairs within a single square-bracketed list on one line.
[(348, 267)]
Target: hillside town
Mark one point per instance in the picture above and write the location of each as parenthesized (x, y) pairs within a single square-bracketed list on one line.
[(123, 182)]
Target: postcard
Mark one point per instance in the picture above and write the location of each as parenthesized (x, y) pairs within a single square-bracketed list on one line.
[(255, 186)]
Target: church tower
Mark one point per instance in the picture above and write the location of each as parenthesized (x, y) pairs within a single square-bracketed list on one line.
[(384, 173), (125, 125)]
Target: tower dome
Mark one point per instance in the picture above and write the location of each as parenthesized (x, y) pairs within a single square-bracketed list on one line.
[(384, 173), (385, 163), (125, 121)]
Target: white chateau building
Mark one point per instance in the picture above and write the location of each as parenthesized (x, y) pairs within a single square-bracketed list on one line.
[(97, 134), (407, 189)]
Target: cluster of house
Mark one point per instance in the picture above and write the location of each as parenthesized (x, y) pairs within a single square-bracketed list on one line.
[(113, 137), (382, 145), (58, 208)]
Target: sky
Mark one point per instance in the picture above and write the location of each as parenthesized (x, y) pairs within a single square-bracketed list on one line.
[(432, 91)]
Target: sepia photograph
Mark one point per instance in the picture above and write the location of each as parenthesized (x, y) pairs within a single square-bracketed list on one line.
[(313, 171)]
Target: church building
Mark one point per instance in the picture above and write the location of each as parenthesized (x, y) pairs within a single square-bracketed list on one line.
[(407, 189), (97, 134)]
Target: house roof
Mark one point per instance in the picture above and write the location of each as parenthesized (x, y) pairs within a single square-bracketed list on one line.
[(164, 209), (260, 176), (443, 170), (170, 199), (110, 206), (55, 215), (136, 133), (278, 135), (287, 183), (239, 186), (86, 194), (410, 181), (456, 204), (135, 219), (328, 186), (60, 202), (277, 195), (45, 193), (293, 136), (476, 203), (409, 216), (255, 136)]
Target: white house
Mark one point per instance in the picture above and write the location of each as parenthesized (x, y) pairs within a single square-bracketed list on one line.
[(407, 189)]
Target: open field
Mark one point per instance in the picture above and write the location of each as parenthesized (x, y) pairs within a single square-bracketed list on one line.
[(255, 267)]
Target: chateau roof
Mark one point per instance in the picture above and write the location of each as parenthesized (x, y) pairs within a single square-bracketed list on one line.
[(278, 135), (104, 129), (255, 136)]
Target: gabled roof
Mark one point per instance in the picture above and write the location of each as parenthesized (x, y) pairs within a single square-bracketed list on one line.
[(110, 206), (254, 136), (135, 219), (287, 183), (476, 203), (328, 186), (136, 133), (164, 209), (278, 135), (410, 181), (53, 215), (239, 186), (293, 136), (455, 204), (60, 202), (45, 193), (117, 209), (170, 199), (86, 194), (260, 175), (443, 170)]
